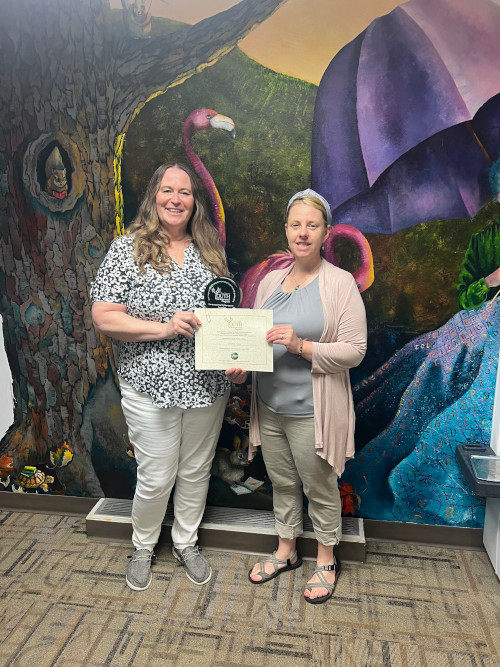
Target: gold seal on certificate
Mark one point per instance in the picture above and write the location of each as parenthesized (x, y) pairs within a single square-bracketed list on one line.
[(233, 338)]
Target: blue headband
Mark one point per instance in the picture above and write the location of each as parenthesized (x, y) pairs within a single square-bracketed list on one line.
[(312, 193)]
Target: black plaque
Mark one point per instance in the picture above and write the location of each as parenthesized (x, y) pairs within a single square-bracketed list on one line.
[(222, 293)]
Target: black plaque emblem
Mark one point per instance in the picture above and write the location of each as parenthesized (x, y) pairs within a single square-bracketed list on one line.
[(222, 293)]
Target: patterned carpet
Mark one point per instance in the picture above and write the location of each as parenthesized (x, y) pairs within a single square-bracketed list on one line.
[(64, 602)]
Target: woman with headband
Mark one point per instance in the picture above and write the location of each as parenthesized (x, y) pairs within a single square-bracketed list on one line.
[(302, 413)]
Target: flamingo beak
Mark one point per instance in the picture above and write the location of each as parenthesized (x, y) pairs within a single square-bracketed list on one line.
[(220, 122)]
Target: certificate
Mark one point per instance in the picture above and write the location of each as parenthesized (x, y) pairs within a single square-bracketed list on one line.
[(233, 338)]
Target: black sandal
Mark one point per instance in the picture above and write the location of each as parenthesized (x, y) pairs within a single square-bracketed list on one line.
[(276, 562), (323, 583)]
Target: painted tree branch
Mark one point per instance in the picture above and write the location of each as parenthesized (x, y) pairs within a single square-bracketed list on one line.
[(147, 66)]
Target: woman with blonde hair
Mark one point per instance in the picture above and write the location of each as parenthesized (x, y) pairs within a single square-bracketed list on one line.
[(302, 413), (144, 295)]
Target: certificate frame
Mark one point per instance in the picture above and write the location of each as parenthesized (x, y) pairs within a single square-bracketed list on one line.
[(233, 338)]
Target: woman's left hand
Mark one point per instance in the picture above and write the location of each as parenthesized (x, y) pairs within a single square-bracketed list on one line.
[(236, 375), (284, 334)]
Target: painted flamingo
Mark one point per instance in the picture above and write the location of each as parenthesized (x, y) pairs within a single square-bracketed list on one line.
[(363, 275), (207, 119)]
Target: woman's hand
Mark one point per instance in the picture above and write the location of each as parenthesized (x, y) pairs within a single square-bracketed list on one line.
[(236, 375), (113, 320), (183, 323), (284, 334)]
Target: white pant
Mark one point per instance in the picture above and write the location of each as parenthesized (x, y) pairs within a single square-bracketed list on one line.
[(171, 445)]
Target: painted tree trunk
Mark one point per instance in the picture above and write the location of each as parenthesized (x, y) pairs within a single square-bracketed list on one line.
[(72, 80)]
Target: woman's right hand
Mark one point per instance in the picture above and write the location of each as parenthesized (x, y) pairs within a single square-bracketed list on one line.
[(183, 323)]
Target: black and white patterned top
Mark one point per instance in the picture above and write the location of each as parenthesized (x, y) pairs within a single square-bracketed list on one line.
[(164, 369)]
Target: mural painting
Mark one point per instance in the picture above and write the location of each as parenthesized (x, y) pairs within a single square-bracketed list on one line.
[(74, 77), (399, 131)]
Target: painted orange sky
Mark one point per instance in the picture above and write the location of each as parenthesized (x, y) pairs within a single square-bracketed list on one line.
[(299, 39)]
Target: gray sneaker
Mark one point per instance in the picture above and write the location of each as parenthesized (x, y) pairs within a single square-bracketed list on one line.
[(197, 568), (139, 570)]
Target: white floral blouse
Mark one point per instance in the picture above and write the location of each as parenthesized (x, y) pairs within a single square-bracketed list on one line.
[(162, 369)]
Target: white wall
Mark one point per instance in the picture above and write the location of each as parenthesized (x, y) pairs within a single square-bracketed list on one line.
[(491, 534), (6, 396), (495, 424)]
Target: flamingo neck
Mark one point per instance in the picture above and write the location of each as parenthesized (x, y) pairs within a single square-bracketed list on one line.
[(329, 248), (217, 209), (363, 275)]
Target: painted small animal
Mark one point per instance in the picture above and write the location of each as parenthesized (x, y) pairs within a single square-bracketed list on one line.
[(137, 16), (229, 466), (55, 173), (32, 478), (6, 466)]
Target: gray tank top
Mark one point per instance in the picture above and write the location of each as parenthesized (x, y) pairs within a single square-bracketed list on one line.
[(288, 389)]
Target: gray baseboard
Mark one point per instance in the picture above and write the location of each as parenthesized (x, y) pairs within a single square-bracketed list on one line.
[(421, 533), (39, 503), (392, 531)]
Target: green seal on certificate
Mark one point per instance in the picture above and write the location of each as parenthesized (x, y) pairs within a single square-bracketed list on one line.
[(222, 293)]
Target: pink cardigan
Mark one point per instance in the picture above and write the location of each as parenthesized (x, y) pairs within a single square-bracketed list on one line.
[(341, 346)]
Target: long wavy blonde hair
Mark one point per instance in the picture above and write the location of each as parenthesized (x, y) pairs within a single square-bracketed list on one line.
[(150, 237)]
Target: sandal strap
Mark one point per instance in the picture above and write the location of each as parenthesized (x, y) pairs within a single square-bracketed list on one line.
[(286, 561), (326, 568), (275, 562), (322, 583)]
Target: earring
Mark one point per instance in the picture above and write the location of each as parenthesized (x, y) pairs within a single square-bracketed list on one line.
[(323, 248)]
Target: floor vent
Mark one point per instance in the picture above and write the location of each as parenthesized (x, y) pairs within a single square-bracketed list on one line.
[(227, 528)]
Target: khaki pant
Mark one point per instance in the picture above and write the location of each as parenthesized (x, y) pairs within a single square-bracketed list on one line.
[(293, 465)]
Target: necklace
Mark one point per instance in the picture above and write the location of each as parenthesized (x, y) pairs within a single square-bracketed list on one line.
[(306, 278)]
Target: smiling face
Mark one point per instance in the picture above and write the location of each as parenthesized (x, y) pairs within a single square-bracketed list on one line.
[(175, 202), (306, 230)]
